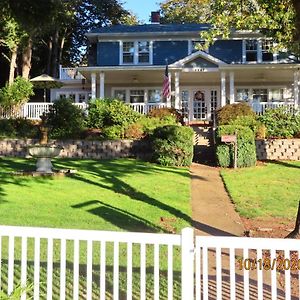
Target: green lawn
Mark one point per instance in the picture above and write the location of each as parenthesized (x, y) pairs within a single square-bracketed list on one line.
[(124, 195), (270, 190)]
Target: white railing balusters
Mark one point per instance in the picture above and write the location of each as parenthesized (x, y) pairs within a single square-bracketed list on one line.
[(76, 270), (219, 272), (11, 259), (259, 259), (198, 270), (170, 272), (63, 269), (89, 270), (36, 276), (232, 273), (287, 274), (129, 271), (102, 269), (273, 274), (23, 266), (116, 271), (205, 272), (246, 275), (156, 272), (49, 268), (143, 272)]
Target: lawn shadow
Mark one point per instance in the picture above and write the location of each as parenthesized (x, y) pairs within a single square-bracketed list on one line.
[(283, 163), (210, 230), (119, 217), (111, 173)]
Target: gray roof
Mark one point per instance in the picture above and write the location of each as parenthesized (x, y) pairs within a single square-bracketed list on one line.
[(159, 28)]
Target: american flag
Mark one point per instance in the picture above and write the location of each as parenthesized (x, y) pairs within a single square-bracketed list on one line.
[(166, 85)]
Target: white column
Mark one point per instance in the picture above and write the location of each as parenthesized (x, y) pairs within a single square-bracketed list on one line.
[(177, 91), (231, 87), (223, 89), (93, 85), (169, 104), (101, 85), (296, 88)]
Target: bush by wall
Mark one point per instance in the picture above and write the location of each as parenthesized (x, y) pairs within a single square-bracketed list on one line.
[(173, 145), (231, 112), (281, 123), (19, 127), (65, 120), (165, 112), (246, 147)]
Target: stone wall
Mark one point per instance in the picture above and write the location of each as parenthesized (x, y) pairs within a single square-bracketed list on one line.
[(279, 149), (81, 148)]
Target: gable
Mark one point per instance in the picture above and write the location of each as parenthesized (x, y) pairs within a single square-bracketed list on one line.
[(200, 62)]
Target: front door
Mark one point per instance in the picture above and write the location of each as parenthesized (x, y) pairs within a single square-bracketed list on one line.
[(199, 105)]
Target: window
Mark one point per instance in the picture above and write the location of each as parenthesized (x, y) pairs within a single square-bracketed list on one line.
[(136, 96), (251, 50), (137, 52), (193, 46), (62, 96), (120, 94), (276, 95), (154, 96), (81, 98), (260, 95), (242, 95), (266, 54), (72, 97), (128, 52), (185, 103), (144, 52)]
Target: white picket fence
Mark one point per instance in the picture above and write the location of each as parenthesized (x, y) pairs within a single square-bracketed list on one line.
[(209, 267)]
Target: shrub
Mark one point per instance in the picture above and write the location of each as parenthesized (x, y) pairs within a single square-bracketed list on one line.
[(231, 112), (165, 112), (134, 131), (110, 112), (15, 95), (113, 132), (19, 127), (280, 123), (246, 155), (173, 145), (65, 120)]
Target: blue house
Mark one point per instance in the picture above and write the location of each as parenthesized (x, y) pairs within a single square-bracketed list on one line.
[(128, 63)]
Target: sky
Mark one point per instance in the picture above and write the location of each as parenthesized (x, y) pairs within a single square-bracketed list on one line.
[(142, 8)]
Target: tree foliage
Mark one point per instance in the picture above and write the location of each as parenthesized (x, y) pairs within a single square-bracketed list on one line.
[(278, 19)]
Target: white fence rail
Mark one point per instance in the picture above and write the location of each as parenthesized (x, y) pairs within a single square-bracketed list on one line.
[(34, 110), (88, 264), (260, 107)]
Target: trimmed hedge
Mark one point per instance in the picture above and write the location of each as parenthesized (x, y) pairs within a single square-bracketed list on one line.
[(246, 156), (173, 145)]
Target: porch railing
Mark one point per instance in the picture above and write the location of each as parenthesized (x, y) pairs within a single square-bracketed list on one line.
[(33, 111), (260, 107), (88, 264)]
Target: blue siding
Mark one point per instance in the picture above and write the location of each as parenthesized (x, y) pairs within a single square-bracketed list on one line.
[(171, 50), (108, 54), (230, 51)]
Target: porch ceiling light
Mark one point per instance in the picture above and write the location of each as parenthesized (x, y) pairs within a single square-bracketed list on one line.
[(135, 79)]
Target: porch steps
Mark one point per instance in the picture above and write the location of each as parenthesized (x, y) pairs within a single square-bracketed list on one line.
[(204, 151)]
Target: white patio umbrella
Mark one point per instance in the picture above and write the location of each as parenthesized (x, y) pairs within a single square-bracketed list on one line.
[(45, 81)]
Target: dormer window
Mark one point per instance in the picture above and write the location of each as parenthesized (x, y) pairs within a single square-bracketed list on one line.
[(251, 50), (193, 46), (258, 51), (136, 52)]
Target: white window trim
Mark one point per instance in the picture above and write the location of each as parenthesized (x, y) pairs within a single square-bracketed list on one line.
[(146, 92), (136, 53), (76, 93), (190, 46), (259, 53), (268, 88)]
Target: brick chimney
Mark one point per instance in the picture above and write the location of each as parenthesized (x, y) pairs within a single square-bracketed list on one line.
[(155, 17)]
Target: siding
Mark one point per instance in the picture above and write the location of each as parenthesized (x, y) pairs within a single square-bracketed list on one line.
[(92, 54), (230, 51), (171, 50), (108, 54)]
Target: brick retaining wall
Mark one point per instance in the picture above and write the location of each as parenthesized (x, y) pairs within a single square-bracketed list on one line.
[(279, 149), (81, 148)]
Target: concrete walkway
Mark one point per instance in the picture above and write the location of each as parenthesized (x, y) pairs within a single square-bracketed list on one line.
[(212, 210)]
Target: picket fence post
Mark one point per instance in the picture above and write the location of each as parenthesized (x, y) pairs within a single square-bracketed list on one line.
[(187, 264)]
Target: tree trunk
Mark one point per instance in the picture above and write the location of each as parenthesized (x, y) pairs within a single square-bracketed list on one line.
[(54, 63), (296, 4), (12, 66), (26, 59), (50, 44), (295, 234)]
